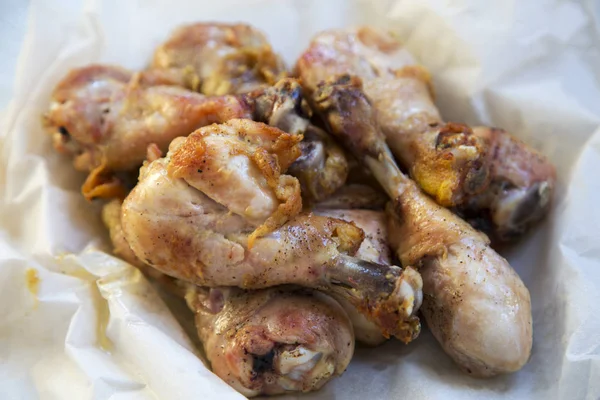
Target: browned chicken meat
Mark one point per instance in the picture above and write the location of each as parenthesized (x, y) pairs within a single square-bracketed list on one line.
[(521, 188), (448, 161), (174, 221), (106, 117), (475, 304), (262, 341), (272, 341), (217, 58), (451, 162)]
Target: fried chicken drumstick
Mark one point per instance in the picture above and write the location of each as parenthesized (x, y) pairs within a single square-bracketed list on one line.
[(492, 178), (106, 117), (475, 304), (272, 341), (218, 58), (174, 221), (261, 342)]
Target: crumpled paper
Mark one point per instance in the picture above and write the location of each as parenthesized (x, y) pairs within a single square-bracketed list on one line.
[(77, 323)]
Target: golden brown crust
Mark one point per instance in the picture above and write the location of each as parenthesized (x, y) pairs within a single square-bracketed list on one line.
[(402, 94), (217, 58), (271, 150), (101, 183), (457, 168)]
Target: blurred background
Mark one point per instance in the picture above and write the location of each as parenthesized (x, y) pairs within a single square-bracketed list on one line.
[(13, 17)]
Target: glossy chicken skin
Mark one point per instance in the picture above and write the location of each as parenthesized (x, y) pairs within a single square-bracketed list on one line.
[(446, 160), (261, 341), (105, 117), (183, 232), (474, 302), (239, 164), (272, 341), (217, 59), (498, 182)]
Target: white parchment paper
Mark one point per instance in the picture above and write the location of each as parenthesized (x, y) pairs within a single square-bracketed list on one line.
[(86, 325)]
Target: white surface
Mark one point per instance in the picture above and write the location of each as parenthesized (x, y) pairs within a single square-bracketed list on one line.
[(531, 67)]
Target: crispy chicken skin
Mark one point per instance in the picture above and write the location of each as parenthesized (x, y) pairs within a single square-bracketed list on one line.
[(239, 164), (272, 341), (497, 182), (216, 58), (180, 230), (106, 117), (474, 302), (261, 341), (446, 160)]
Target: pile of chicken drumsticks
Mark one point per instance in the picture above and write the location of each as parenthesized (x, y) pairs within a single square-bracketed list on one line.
[(276, 202)]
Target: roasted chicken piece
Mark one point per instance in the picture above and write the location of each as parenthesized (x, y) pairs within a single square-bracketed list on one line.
[(172, 222), (475, 304), (446, 160), (491, 177), (217, 59), (106, 117), (238, 164), (272, 341), (374, 248), (262, 341), (520, 192)]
